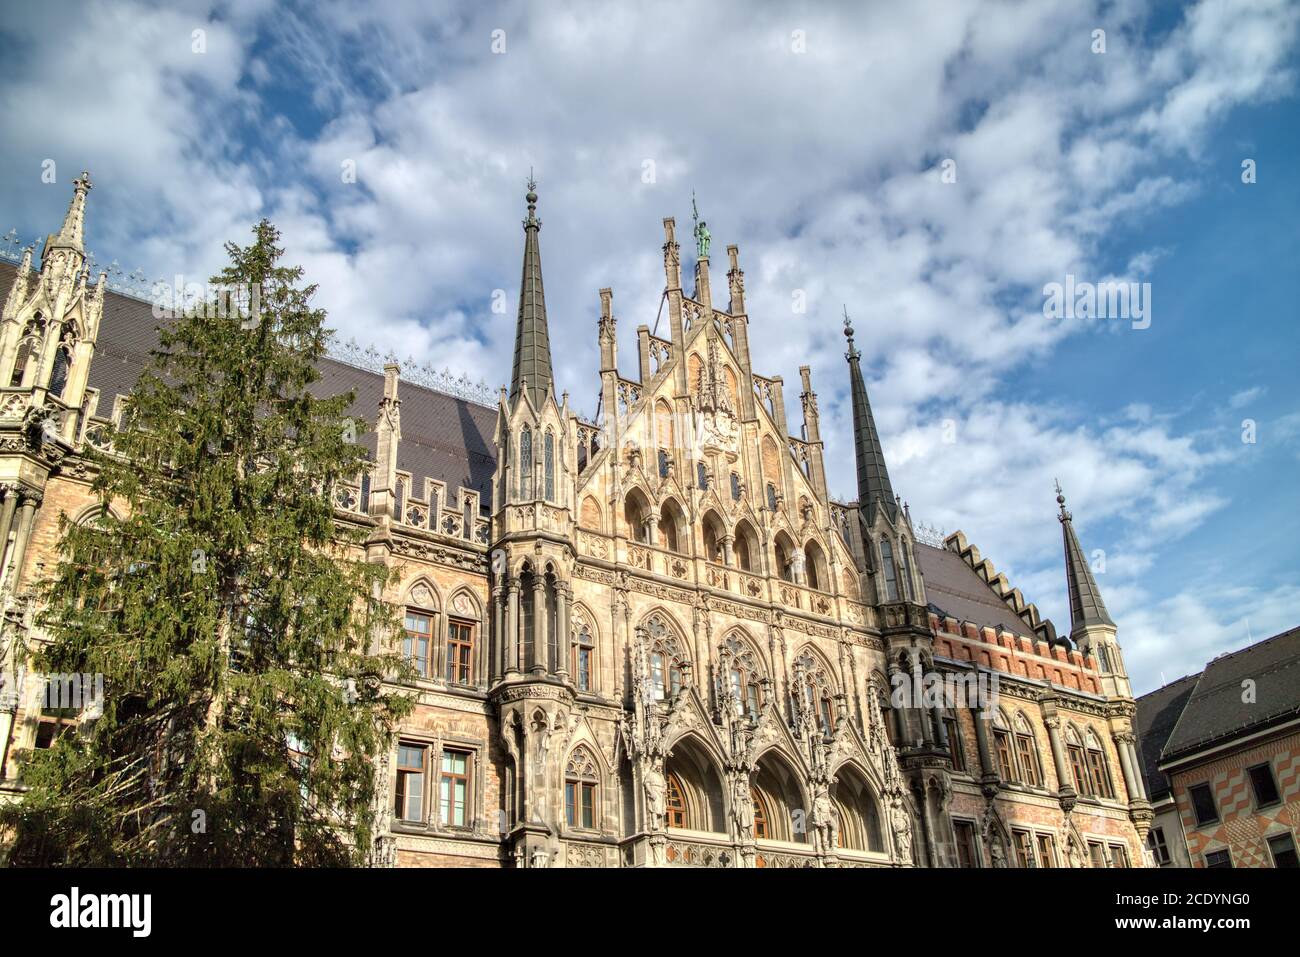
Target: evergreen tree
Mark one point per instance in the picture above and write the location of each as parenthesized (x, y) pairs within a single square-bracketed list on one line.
[(237, 625)]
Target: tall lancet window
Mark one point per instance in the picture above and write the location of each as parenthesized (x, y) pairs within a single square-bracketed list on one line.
[(20, 363), (548, 461), (525, 462), (887, 567), (59, 375), (907, 572)]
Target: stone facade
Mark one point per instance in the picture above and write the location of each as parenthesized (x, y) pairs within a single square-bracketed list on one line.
[(652, 639)]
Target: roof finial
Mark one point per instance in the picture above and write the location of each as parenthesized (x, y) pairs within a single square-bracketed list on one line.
[(1060, 500), (848, 334), (532, 219), (74, 221)]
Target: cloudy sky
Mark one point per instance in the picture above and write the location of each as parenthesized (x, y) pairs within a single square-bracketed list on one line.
[(816, 138)]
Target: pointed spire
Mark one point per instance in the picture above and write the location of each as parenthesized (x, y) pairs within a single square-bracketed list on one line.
[(1086, 606), (532, 369), (874, 489), (74, 223)]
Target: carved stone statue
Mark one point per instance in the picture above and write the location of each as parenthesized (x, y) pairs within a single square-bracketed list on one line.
[(901, 823), (996, 852), (1074, 853), (742, 808), (655, 786), (823, 820)]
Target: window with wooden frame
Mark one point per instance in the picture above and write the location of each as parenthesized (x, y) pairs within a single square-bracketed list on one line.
[(412, 761), (581, 789), (1207, 812), (460, 651), (762, 822), (1028, 760), (1024, 848), (1097, 853), (675, 803), (453, 788), (417, 641), (54, 723), (1079, 769), (1006, 763), (1218, 858), (953, 728), (1099, 769), (1046, 851), (1262, 783), (1118, 855), (967, 853), (584, 658)]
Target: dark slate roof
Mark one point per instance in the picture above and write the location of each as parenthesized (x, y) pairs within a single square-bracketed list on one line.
[(953, 588), (1216, 711), (443, 437), (532, 339), (874, 490), (1157, 713)]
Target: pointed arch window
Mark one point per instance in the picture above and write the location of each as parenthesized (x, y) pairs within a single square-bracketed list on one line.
[(20, 363), (675, 803), (525, 462), (581, 790), (741, 676), (762, 822), (665, 661), (59, 374), (584, 658), (887, 567), (905, 550), (1027, 750), (548, 464)]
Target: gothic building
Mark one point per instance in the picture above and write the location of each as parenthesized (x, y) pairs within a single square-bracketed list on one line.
[(647, 640)]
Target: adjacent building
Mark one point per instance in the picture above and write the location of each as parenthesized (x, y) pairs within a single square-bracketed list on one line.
[(1221, 756), (650, 638)]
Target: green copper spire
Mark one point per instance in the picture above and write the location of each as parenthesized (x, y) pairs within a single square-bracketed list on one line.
[(1086, 606), (532, 340), (874, 490)]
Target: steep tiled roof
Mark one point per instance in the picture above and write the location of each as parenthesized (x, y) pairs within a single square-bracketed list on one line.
[(1216, 710), (1157, 713), (444, 438), (953, 588)]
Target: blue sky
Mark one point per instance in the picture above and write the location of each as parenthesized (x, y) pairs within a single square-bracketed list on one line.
[(813, 137)]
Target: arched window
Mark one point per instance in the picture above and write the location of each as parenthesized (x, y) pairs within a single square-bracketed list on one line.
[(762, 820), (59, 374), (584, 658), (740, 675), (1005, 749), (887, 567), (676, 803), (1027, 751), (365, 489), (20, 363), (713, 534), (665, 660), (525, 462), (548, 464), (907, 571), (746, 547), (1098, 768), (784, 557), (636, 512), (672, 525), (813, 692), (581, 790), (815, 565), (1078, 760)]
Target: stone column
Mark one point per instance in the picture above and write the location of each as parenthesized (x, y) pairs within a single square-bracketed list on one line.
[(12, 491), (500, 637), (563, 650), (26, 517), (1137, 768), (728, 555), (1063, 778), (1128, 766), (982, 743), (541, 646), (512, 627)]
